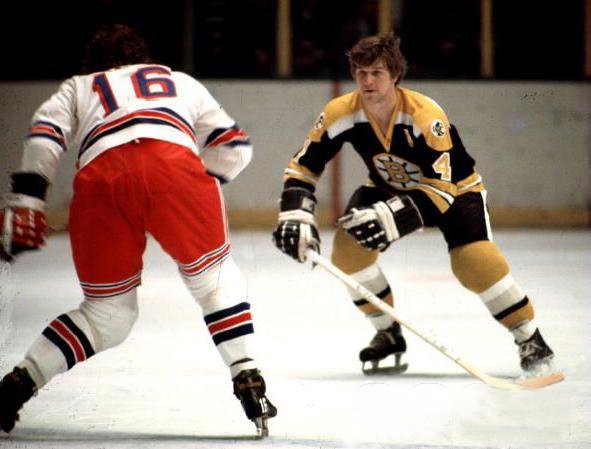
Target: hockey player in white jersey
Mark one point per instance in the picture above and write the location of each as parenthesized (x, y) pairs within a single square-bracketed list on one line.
[(153, 147)]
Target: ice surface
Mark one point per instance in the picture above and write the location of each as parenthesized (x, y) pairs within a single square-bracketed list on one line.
[(166, 386)]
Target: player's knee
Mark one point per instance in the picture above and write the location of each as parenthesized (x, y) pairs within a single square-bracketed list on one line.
[(111, 320), (478, 265), (348, 255), (222, 283)]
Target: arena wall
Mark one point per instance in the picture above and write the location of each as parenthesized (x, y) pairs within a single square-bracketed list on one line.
[(531, 141)]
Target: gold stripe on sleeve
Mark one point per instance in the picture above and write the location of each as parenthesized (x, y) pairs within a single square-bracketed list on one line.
[(444, 186), (297, 171), (472, 183)]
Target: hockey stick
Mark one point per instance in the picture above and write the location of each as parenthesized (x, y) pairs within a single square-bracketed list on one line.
[(530, 383)]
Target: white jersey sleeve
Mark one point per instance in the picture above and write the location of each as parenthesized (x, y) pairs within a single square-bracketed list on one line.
[(225, 147), (50, 132)]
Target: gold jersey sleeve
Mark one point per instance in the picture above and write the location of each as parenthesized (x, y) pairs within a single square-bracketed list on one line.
[(337, 115), (429, 119), (322, 142)]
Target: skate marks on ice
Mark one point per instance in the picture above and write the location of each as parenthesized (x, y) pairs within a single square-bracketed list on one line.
[(395, 376), (158, 441), (36, 437)]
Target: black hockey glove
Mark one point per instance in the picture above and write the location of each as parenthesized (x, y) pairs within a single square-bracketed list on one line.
[(377, 226), (296, 230)]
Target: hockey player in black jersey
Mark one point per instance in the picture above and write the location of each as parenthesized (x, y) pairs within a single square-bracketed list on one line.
[(419, 175)]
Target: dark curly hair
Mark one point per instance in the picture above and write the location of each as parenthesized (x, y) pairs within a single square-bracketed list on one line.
[(373, 48), (114, 46)]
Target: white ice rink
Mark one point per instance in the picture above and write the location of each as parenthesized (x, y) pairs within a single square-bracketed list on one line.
[(166, 386)]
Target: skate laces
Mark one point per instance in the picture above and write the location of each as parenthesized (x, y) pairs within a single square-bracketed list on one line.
[(384, 336), (246, 381), (250, 388)]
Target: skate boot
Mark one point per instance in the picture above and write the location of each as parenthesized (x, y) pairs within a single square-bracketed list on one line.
[(16, 388), (534, 353), (249, 388), (386, 342)]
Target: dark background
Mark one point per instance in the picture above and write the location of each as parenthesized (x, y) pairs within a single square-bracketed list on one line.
[(236, 39)]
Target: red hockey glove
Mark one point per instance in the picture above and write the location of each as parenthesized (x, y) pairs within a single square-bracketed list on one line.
[(23, 225)]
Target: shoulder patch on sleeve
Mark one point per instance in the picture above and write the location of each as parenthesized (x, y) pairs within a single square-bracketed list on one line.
[(334, 111), (438, 128), (435, 127), (319, 123)]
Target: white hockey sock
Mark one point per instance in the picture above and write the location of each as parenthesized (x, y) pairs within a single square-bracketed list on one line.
[(374, 280), (222, 294), (77, 335), (524, 331), (509, 305), (67, 340)]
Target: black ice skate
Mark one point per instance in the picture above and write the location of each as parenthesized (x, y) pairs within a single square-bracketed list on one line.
[(386, 342), (16, 388), (249, 387), (534, 353)]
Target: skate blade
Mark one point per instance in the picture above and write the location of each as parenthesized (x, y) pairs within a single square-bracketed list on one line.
[(262, 428), (375, 368), (397, 369)]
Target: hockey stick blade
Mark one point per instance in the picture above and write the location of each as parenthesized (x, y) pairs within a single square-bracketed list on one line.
[(530, 383), (536, 382)]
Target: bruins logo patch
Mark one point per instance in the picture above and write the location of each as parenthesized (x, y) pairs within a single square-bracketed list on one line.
[(437, 128), (319, 123), (397, 172)]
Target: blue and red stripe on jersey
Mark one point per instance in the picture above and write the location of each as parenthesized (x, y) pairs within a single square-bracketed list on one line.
[(48, 130), (230, 323), (156, 116), (95, 292), (227, 136), (206, 262), (70, 340)]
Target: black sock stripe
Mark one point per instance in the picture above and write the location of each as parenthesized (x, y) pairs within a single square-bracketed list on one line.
[(225, 313), (242, 361), (508, 311), (63, 346), (384, 292), (239, 331), (381, 295), (88, 350)]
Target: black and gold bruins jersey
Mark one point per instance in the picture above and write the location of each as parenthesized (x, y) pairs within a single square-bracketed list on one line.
[(421, 155)]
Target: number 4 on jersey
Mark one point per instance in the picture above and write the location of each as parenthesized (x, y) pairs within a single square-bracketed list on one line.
[(442, 167)]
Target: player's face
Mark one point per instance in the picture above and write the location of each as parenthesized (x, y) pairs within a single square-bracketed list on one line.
[(375, 82)]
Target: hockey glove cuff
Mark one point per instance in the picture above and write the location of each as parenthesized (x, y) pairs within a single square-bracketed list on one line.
[(377, 226), (296, 230)]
